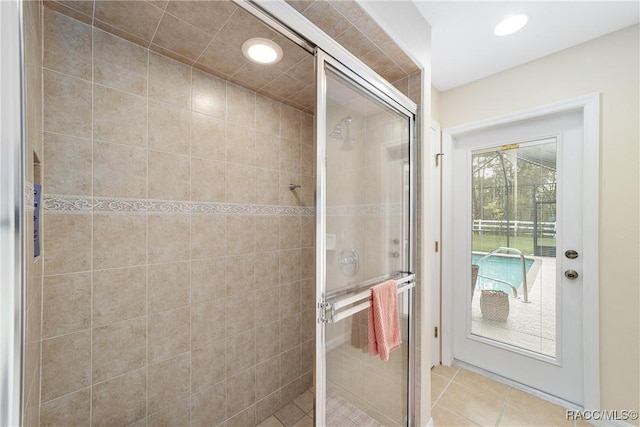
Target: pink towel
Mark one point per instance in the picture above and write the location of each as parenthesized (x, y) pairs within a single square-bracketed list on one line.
[(384, 321)]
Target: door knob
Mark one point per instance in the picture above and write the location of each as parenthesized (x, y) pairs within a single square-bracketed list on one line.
[(571, 274)]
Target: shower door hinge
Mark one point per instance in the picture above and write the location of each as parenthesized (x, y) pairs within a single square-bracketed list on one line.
[(438, 158), (437, 246), (326, 312), (435, 332)]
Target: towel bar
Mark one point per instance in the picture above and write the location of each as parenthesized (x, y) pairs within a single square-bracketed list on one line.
[(334, 311)]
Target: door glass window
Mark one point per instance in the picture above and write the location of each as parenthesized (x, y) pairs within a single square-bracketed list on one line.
[(513, 280)]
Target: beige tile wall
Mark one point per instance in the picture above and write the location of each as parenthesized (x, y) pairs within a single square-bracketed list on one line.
[(207, 35), (170, 318), (32, 66), (353, 28)]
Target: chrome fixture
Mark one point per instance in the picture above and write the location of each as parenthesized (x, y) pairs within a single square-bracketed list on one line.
[(336, 309), (341, 131), (571, 274), (571, 254), (294, 186), (349, 262)]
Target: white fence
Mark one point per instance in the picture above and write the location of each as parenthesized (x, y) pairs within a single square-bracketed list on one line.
[(547, 229)]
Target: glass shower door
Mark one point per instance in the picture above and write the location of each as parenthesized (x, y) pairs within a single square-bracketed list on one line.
[(364, 228)]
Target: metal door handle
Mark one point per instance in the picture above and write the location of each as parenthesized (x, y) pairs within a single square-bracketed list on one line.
[(571, 274)]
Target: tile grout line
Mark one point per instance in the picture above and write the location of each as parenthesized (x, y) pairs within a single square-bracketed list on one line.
[(504, 405), (450, 380), (226, 297)]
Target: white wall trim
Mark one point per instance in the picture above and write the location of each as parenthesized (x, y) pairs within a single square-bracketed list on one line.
[(590, 106), (405, 24), (433, 223), (426, 233), (446, 306), (591, 289)]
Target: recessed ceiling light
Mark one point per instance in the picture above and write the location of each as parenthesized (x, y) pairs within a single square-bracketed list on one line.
[(511, 24), (262, 51)]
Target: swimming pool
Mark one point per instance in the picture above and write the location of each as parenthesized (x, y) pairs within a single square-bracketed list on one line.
[(500, 267)]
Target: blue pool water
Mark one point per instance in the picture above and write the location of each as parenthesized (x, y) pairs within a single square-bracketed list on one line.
[(504, 268)]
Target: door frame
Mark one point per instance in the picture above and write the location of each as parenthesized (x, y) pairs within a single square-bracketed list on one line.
[(589, 105), (434, 222)]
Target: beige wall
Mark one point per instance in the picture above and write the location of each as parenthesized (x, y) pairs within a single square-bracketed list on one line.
[(610, 66), (164, 314), (32, 30)]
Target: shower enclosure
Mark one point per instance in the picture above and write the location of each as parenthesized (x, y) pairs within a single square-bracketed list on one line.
[(364, 236), (209, 227)]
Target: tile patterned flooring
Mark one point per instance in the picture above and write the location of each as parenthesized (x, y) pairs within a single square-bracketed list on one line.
[(463, 398), (299, 413), (459, 398)]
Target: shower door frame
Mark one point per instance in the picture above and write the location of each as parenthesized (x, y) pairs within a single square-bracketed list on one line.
[(408, 109), (12, 206)]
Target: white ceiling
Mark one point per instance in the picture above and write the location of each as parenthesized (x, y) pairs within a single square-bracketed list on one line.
[(464, 48)]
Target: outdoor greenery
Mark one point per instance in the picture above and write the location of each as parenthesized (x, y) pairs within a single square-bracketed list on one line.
[(488, 242), (515, 184), (505, 187)]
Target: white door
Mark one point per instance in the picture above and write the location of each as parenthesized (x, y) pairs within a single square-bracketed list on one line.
[(517, 205)]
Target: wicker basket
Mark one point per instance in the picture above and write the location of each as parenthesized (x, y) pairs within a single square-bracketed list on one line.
[(494, 305)]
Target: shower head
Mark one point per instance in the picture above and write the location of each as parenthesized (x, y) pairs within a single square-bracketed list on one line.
[(341, 127), (341, 131), (337, 132)]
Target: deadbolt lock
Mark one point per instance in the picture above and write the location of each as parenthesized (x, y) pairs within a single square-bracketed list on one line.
[(571, 254)]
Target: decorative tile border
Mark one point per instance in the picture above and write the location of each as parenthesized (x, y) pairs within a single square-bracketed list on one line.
[(58, 203), (85, 204)]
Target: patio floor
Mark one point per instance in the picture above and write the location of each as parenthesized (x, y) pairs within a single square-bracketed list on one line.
[(531, 326)]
